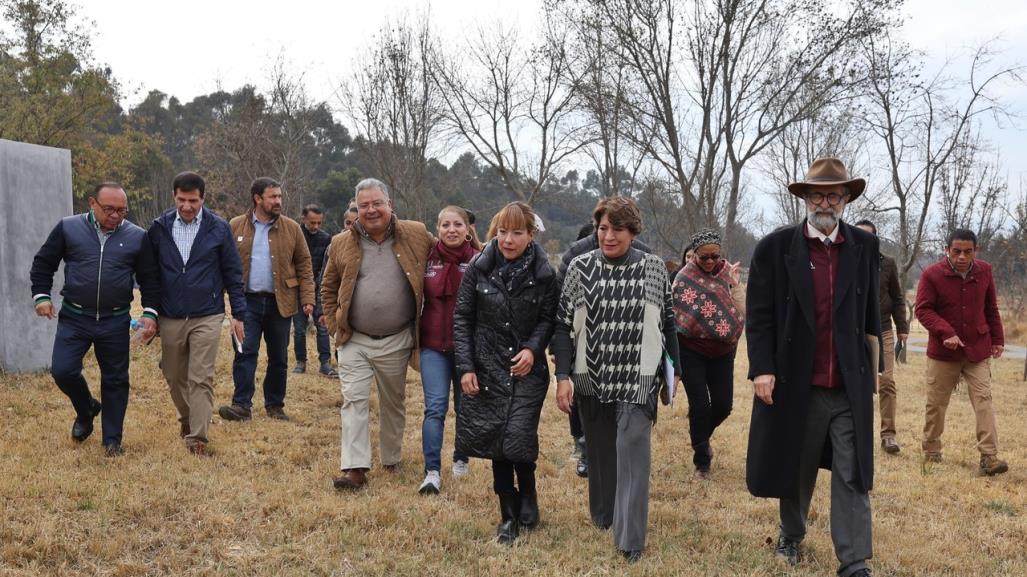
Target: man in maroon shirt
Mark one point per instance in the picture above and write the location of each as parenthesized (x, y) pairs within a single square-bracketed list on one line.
[(811, 304), (956, 303)]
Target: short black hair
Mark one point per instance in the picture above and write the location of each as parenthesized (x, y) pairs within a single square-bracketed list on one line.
[(261, 184), (866, 222), (314, 208), (103, 185), (961, 234), (188, 182), (353, 209), (586, 231), (470, 216)]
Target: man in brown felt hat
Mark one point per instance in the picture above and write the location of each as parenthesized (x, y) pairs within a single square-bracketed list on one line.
[(813, 288)]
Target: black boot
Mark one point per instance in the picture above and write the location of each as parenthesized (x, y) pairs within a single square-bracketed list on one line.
[(509, 508), (528, 516), (529, 509)]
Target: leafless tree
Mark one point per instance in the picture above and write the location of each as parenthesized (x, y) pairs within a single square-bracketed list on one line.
[(511, 101), (397, 109), (972, 191), (922, 123), (832, 131)]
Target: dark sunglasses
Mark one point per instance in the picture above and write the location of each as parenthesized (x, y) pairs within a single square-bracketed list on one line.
[(708, 256)]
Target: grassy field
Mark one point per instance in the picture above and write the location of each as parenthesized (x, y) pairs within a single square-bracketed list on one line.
[(264, 504)]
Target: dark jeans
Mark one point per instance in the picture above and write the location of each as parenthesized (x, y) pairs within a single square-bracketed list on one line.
[(575, 420), (438, 378), (299, 325), (710, 385), (109, 338), (503, 477), (262, 318)]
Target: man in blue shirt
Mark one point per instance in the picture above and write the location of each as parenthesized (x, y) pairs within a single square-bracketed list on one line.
[(198, 264)]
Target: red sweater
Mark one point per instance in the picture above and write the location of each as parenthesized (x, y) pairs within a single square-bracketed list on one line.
[(948, 305), (823, 262)]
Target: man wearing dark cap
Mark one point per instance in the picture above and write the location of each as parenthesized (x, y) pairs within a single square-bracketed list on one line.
[(811, 304)]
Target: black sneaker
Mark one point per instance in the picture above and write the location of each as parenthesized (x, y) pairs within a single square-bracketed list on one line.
[(632, 557), (787, 550), (301, 367)]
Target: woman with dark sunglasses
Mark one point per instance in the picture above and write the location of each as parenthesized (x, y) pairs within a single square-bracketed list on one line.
[(709, 313)]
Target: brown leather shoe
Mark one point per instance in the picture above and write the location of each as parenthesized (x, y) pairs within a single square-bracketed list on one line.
[(183, 430), (234, 413), (277, 413), (992, 465), (890, 445), (351, 479), (391, 469), (199, 448)]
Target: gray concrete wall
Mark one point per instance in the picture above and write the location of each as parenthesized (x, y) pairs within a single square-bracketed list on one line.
[(35, 192)]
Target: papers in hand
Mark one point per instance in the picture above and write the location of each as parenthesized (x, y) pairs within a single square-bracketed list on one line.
[(236, 342), (670, 387)]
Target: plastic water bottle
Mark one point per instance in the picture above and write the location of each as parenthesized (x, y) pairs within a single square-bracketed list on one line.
[(136, 326)]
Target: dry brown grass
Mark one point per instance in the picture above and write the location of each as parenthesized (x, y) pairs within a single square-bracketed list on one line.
[(264, 505)]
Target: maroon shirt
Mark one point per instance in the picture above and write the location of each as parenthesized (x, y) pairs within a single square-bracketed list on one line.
[(949, 305), (437, 315), (823, 264)]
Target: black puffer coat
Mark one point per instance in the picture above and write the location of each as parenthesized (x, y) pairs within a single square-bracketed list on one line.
[(491, 324)]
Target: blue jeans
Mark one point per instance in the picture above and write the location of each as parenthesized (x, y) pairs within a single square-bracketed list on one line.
[(262, 318), (109, 338), (299, 326), (438, 371)]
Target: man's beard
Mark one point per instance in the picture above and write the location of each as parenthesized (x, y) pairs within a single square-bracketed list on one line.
[(824, 219)]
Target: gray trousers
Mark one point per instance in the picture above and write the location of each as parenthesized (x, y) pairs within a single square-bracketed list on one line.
[(829, 416), (619, 461)]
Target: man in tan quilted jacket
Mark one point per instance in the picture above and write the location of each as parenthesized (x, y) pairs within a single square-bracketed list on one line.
[(278, 280), (371, 294)]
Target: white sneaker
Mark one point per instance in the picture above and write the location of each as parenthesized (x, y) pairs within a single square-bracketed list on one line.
[(432, 483), (460, 468)]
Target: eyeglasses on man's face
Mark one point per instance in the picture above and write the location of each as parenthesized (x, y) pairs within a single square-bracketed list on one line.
[(112, 210), (833, 199)]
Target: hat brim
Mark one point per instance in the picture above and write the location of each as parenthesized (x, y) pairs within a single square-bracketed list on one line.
[(856, 186)]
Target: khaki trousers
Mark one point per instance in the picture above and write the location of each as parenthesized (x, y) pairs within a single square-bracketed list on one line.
[(942, 377), (189, 350), (886, 390), (363, 360)]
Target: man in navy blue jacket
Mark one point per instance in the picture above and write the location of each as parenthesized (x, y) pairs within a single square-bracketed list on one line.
[(198, 263), (104, 255)]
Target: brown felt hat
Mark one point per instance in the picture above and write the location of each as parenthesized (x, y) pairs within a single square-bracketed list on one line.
[(827, 172)]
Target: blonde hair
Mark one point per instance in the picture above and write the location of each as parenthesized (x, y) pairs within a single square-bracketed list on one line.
[(514, 216), (462, 213)]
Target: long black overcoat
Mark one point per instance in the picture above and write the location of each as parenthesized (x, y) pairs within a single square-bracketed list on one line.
[(490, 325), (780, 335)]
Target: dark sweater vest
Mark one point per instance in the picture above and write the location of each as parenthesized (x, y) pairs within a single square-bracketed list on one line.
[(823, 264)]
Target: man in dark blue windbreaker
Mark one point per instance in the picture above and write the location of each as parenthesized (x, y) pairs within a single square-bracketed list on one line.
[(198, 263), (104, 255)]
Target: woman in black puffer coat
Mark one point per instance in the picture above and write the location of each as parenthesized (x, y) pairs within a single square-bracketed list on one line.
[(502, 324)]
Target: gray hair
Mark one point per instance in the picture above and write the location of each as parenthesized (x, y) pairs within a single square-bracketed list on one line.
[(368, 183)]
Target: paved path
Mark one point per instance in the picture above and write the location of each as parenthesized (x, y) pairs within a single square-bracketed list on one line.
[(1011, 351)]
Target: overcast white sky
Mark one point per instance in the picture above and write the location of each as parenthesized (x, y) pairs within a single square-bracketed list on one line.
[(188, 47)]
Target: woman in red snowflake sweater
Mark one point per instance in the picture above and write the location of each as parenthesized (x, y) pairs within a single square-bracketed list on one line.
[(709, 312)]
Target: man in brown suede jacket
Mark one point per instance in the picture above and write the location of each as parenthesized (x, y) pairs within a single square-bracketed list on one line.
[(278, 280), (372, 293)]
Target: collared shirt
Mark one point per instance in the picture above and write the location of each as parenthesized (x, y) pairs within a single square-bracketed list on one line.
[(812, 232), (261, 278), (962, 274), (185, 233), (101, 234)]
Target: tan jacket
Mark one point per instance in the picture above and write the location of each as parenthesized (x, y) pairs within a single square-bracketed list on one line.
[(291, 268), (412, 244)]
